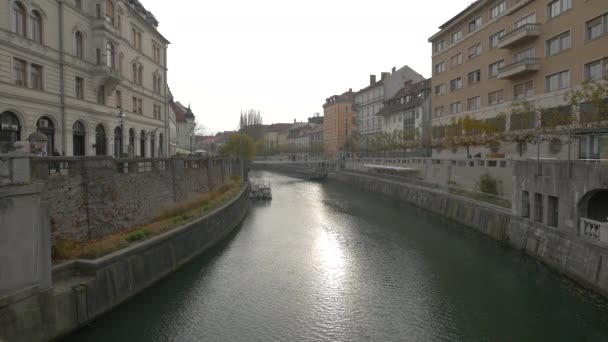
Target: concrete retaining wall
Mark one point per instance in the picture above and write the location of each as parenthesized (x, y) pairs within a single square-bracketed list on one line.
[(83, 290)]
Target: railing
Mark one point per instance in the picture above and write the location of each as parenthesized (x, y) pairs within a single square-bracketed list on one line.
[(594, 230), (525, 61), (523, 28)]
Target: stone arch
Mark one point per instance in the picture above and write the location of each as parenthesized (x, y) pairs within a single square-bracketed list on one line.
[(20, 115), (79, 138), (594, 205)]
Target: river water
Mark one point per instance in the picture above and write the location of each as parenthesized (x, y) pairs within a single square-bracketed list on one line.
[(327, 262)]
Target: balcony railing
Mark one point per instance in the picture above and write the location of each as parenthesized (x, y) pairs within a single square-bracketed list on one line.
[(519, 68), (518, 36), (594, 230)]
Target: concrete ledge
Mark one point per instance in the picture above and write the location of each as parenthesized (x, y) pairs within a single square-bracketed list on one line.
[(86, 289)]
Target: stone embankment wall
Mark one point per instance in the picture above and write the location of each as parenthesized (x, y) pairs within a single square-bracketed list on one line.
[(84, 290), (91, 197), (564, 251)]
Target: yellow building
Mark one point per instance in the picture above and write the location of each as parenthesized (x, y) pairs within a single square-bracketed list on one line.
[(338, 123)]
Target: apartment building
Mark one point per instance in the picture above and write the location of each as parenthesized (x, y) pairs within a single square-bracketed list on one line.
[(497, 53), (338, 123), (369, 100), (409, 111), (90, 75)]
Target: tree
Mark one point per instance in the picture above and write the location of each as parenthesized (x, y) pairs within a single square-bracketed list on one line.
[(234, 145), (250, 122)]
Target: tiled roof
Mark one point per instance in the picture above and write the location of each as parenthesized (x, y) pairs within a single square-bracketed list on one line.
[(394, 104), (279, 127)]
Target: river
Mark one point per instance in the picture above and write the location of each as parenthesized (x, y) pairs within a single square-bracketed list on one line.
[(328, 262)]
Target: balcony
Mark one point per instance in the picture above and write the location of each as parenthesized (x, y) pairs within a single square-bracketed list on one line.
[(110, 77), (519, 68), (594, 230), (520, 35)]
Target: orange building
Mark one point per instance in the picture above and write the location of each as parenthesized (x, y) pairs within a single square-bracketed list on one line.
[(338, 123)]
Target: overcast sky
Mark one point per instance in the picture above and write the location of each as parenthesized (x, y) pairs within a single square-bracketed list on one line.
[(285, 57)]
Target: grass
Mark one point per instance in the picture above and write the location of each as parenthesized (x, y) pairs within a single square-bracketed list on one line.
[(168, 219)]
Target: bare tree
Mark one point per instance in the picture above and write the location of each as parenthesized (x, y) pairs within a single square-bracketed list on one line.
[(250, 122)]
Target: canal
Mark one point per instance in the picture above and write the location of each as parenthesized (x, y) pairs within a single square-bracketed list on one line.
[(327, 262)]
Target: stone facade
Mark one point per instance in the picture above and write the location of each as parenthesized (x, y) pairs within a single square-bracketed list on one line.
[(89, 61), (92, 197)]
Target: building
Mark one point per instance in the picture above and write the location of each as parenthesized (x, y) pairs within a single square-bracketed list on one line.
[(315, 139), (369, 100), (497, 55), (185, 125), (409, 111), (90, 75), (338, 124), (271, 138)]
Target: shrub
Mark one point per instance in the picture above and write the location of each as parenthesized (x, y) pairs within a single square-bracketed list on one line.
[(64, 249), (488, 184), (137, 235), (235, 178)]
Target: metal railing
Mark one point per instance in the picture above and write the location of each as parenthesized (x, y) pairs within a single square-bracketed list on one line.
[(525, 61), (523, 28)]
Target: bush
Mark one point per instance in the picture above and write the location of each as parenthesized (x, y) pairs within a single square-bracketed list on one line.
[(137, 235), (64, 249), (236, 179), (488, 184)]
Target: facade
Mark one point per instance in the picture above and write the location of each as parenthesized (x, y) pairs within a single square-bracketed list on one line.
[(185, 126), (315, 139), (369, 100), (495, 54), (271, 137), (338, 123), (408, 111), (90, 75)]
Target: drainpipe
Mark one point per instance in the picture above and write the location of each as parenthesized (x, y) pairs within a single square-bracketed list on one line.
[(64, 140), (167, 139)]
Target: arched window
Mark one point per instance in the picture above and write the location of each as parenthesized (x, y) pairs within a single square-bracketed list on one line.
[(10, 131), (121, 59), (78, 134), (19, 19), (135, 69), (160, 145), (79, 45), (36, 25), (131, 143), (110, 12), (152, 146), (140, 75), (100, 140), (142, 144), (118, 142), (110, 60)]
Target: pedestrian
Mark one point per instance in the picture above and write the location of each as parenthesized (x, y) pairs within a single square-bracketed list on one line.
[(56, 163)]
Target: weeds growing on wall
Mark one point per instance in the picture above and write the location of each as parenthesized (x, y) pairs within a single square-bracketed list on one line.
[(488, 184)]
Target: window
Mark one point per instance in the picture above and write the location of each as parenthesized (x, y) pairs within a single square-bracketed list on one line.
[(456, 36), (79, 45), (596, 27), (474, 77), (456, 84), (560, 80), (474, 24), (110, 12), (140, 106), (596, 70), (439, 68), (118, 99), (79, 88), (474, 103), (440, 89), (557, 7), (110, 60), (455, 107), (495, 37), (135, 69), (134, 104), (133, 37), (475, 51), (440, 46), (36, 26), (18, 19), (156, 53), (497, 10), (531, 19), (78, 4), (140, 75), (36, 76), (525, 54), (138, 41), (101, 95), (494, 67), (497, 97), (456, 60), (523, 90), (19, 72)]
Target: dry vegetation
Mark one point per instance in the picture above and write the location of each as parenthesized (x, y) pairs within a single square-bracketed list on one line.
[(168, 219)]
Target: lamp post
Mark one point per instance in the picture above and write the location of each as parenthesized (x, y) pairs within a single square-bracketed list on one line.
[(121, 119), (191, 142)]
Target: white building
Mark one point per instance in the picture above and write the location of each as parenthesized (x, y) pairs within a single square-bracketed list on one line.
[(68, 68), (408, 111)]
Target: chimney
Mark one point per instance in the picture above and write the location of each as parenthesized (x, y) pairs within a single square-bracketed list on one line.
[(407, 85), (350, 90), (294, 121), (394, 69), (372, 79), (384, 75)]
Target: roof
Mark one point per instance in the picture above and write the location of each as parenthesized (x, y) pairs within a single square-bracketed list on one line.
[(278, 127), (457, 17), (395, 105), (346, 96), (181, 113)]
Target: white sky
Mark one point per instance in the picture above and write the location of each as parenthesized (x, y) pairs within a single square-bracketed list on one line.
[(284, 58)]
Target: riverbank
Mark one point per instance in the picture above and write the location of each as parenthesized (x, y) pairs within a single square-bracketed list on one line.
[(83, 290)]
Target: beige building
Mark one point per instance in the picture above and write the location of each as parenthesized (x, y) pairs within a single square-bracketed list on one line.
[(496, 53), (68, 68)]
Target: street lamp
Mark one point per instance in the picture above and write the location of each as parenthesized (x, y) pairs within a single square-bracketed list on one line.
[(121, 119), (192, 142)]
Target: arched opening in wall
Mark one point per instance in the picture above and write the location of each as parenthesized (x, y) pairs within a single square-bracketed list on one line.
[(78, 137), (79, 45), (117, 142), (142, 144), (160, 145), (100, 141), (36, 26), (594, 205), (110, 59), (131, 142), (110, 12), (152, 146), (46, 127), (10, 131), (18, 19)]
